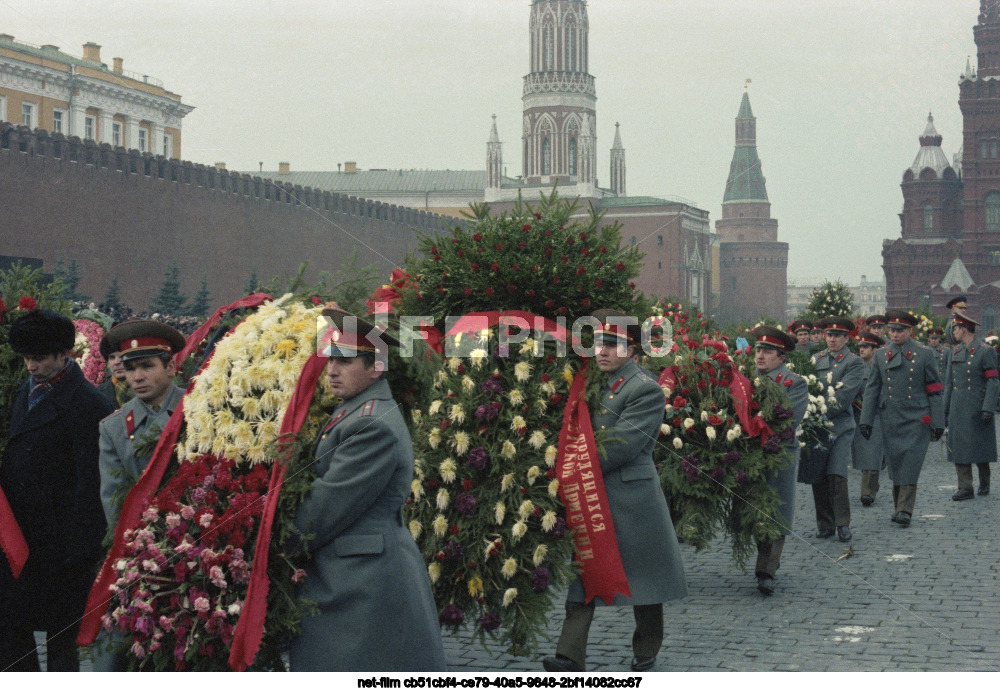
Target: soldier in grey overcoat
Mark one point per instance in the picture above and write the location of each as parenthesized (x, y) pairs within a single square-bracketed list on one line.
[(364, 573), (146, 350), (836, 367), (971, 390), (941, 351), (868, 455), (801, 329), (769, 357), (905, 391), (629, 415)]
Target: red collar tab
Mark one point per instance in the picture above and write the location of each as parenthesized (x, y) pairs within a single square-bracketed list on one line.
[(780, 377), (840, 356), (334, 421), (615, 387), (909, 355), (130, 424), (888, 355), (972, 350)]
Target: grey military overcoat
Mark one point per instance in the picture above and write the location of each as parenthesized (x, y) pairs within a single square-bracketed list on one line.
[(783, 481), (869, 454), (904, 391), (366, 575), (970, 388), (848, 369), (120, 433), (630, 414)]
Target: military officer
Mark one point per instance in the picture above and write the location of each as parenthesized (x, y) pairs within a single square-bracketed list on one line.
[(769, 357), (631, 412), (840, 369), (365, 573), (941, 351), (816, 338), (904, 391), (146, 350), (114, 386), (801, 330), (957, 306), (876, 325), (970, 398), (867, 454)]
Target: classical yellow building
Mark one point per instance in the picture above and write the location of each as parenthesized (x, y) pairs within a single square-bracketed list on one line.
[(43, 87)]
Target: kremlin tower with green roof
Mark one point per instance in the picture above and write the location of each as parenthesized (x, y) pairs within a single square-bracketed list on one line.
[(753, 264)]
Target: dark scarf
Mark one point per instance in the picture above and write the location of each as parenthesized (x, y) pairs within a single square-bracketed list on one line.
[(38, 391)]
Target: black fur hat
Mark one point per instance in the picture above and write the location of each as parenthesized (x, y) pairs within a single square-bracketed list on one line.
[(42, 332)]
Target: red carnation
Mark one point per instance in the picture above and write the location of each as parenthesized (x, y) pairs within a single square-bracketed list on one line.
[(583, 236), (499, 246), (315, 301), (584, 251), (453, 529), (585, 302), (537, 215), (555, 398), (580, 270), (27, 303), (514, 267), (467, 291), (598, 283), (545, 377), (555, 279), (489, 291), (477, 237), (434, 250), (526, 227), (569, 241), (926, 420), (620, 266), (442, 291), (548, 233), (600, 263), (631, 284), (522, 245), (679, 402), (550, 303), (494, 267), (548, 251), (454, 241), (534, 269), (562, 310), (3, 307), (564, 259), (461, 253), (702, 385)]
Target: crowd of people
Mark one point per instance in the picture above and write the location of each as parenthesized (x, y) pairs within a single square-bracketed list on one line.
[(73, 454)]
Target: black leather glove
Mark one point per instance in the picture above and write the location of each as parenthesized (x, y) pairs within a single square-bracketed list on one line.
[(986, 417), (936, 434), (866, 431)]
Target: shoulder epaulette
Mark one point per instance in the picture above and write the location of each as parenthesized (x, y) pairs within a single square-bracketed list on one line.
[(369, 408)]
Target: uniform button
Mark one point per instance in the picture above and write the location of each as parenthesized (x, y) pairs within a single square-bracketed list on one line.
[(611, 396), (602, 427)]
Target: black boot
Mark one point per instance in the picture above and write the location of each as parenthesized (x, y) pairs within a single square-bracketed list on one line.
[(984, 479)]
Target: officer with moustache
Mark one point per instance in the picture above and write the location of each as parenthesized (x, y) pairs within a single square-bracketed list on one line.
[(836, 367), (905, 391), (970, 397), (769, 357), (630, 414), (868, 455)]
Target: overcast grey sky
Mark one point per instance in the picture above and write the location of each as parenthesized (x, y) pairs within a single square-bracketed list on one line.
[(841, 91)]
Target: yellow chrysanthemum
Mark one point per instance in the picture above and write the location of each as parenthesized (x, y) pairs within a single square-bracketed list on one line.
[(567, 374), (447, 469), (508, 451), (515, 397), (507, 482), (440, 525), (554, 487), (526, 509), (434, 438), (434, 572), (461, 441), (551, 454), (541, 405), (509, 568), (434, 407), (540, 553), (517, 423), (499, 511), (286, 348), (416, 528), (537, 439), (475, 587), (522, 371), (416, 489), (457, 414), (509, 596), (443, 499), (468, 384), (528, 346), (548, 520), (477, 357), (518, 530), (454, 364)]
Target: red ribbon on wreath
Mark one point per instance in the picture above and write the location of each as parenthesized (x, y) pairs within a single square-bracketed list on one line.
[(191, 345), (11, 539)]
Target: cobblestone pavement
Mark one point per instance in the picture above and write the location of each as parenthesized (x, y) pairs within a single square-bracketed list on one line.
[(923, 598)]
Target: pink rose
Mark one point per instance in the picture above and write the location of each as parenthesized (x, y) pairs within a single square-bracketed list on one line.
[(202, 605)]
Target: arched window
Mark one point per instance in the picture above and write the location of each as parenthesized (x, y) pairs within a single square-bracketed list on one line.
[(928, 219), (993, 211), (546, 156), (572, 157), (548, 47), (570, 62), (983, 149)]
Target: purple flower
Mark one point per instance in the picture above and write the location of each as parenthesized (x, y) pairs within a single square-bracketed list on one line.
[(781, 413), (465, 504), (731, 458), (486, 412), (489, 621), (559, 528), (742, 478), (493, 386), (772, 445), (718, 474), (451, 615), (478, 458), (453, 550), (539, 579), (690, 468), (787, 434)]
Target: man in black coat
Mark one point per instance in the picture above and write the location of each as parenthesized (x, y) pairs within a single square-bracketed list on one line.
[(51, 479)]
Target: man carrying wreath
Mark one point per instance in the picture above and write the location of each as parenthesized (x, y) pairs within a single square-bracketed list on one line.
[(629, 416), (365, 573)]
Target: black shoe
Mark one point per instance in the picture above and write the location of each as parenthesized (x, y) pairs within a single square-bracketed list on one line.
[(639, 665), (963, 494), (824, 533), (984, 489), (561, 664), (844, 533), (902, 518), (866, 500), (765, 584)]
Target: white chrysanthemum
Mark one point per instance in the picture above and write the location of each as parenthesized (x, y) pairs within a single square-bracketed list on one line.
[(434, 572), (526, 509), (415, 416), (678, 360), (416, 489), (485, 335), (509, 568), (688, 423), (457, 414), (704, 416), (416, 528), (539, 556), (548, 388), (528, 346), (517, 423), (731, 435), (440, 525), (548, 520), (830, 392), (542, 405), (710, 432), (499, 512), (508, 451), (515, 397), (756, 382), (509, 596), (829, 377), (522, 371), (460, 441), (518, 530), (443, 499), (454, 364), (434, 438), (664, 429), (554, 487), (434, 407), (440, 378), (678, 443), (536, 440), (477, 357), (447, 469), (468, 384), (507, 482), (533, 473), (551, 453)]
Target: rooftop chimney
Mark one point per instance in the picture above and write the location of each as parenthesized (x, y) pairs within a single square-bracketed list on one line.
[(350, 166), (284, 168), (91, 51), (117, 65), (48, 47), (6, 37), (221, 165)]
